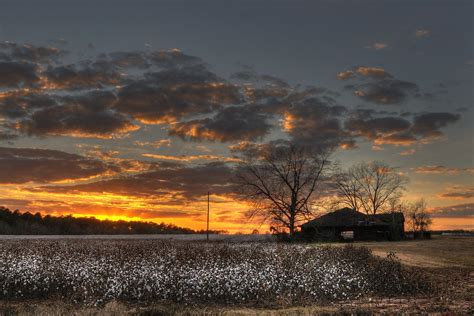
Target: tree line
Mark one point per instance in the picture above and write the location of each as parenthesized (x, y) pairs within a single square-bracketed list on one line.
[(18, 223)]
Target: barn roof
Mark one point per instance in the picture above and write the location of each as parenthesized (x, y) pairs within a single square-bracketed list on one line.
[(347, 217), (397, 217)]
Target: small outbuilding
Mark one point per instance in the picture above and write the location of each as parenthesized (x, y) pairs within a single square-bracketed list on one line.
[(349, 224)]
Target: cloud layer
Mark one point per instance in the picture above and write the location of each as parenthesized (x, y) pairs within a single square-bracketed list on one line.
[(22, 165), (117, 93)]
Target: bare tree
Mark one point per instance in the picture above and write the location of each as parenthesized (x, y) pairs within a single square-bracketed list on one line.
[(349, 190), (418, 218), (371, 187), (282, 183)]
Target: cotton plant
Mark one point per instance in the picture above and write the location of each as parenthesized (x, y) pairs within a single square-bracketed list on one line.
[(97, 271)]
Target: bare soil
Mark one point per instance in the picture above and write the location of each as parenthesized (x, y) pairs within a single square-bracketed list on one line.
[(438, 252)]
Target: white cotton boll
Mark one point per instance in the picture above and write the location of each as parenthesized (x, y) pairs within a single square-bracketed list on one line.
[(96, 272)]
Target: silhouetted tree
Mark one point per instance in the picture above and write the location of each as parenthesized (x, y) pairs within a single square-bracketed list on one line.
[(370, 187), (418, 218), (282, 182)]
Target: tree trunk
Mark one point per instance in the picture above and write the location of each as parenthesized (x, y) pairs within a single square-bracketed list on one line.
[(292, 227)]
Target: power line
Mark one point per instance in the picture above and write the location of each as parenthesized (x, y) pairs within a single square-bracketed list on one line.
[(207, 231)]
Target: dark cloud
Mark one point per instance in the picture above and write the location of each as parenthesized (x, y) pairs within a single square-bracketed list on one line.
[(277, 100), (387, 91), (22, 165), (36, 53), (254, 94), (300, 95), (90, 115), (173, 182), (170, 87), (184, 87), (87, 75), (249, 149), (458, 195), (19, 105), (458, 210), (193, 75), (17, 74), (229, 124), (397, 130), (173, 58), (428, 125), (11, 109), (30, 53), (382, 87), (375, 126), (457, 192), (365, 113), (165, 59), (169, 95), (251, 75), (315, 123), (129, 59)]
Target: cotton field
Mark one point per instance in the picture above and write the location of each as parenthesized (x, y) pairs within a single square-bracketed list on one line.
[(97, 271)]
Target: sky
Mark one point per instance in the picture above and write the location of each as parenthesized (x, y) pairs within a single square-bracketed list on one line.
[(136, 109)]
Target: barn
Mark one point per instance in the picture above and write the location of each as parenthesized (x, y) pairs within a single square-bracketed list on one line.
[(349, 224)]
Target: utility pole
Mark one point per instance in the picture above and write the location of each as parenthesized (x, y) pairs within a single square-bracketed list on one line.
[(207, 232)]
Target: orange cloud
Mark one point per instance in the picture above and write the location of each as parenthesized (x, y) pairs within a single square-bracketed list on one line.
[(378, 46), (191, 158), (344, 75), (372, 72), (457, 193), (395, 139), (156, 144), (442, 170), (408, 152)]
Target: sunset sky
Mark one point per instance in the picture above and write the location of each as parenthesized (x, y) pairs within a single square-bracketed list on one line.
[(135, 109)]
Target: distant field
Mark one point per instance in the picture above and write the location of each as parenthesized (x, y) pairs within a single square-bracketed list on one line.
[(176, 237), (438, 252)]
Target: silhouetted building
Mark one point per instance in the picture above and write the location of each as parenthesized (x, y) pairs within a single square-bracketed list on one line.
[(349, 224)]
